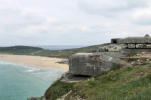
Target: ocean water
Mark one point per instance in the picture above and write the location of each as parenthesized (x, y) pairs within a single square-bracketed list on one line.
[(60, 47), (19, 82)]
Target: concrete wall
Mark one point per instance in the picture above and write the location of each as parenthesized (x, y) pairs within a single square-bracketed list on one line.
[(90, 64)]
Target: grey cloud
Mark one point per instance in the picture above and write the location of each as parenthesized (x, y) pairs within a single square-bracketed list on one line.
[(52, 22), (110, 7), (13, 20), (144, 20)]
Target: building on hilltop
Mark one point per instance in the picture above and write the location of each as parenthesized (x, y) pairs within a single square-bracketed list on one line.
[(134, 42)]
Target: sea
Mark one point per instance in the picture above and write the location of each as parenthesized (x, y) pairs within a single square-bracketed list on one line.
[(60, 47), (19, 82)]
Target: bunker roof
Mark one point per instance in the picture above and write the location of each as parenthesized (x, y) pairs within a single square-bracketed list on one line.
[(145, 39)]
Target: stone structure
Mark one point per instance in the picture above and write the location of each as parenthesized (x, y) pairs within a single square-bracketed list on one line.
[(108, 56), (134, 42), (90, 64), (110, 48)]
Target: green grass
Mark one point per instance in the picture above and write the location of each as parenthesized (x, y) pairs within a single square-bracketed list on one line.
[(122, 84), (126, 83), (58, 89)]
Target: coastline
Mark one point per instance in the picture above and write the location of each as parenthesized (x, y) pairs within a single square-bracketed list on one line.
[(35, 61)]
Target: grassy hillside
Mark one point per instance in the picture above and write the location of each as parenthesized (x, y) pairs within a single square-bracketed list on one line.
[(19, 49), (126, 83), (26, 50)]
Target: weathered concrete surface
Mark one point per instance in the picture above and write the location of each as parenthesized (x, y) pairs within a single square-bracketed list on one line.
[(70, 78), (111, 48), (145, 39), (131, 52), (90, 64)]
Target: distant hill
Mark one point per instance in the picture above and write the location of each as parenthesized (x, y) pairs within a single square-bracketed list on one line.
[(19, 47), (60, 47), (21, 50), (28, 50)]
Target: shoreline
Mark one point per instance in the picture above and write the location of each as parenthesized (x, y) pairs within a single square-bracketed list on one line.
[(35, 61)]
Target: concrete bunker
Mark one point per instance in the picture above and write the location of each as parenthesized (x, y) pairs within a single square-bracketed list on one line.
[(90, 64)]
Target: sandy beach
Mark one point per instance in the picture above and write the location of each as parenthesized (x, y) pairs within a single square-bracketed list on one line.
[(36, 61)]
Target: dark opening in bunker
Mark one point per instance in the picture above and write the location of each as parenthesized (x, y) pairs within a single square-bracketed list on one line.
[(114, 41)]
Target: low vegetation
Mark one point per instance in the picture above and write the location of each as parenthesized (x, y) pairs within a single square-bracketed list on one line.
[(26, 50), (126, 83), (120, 83), (58, 89)]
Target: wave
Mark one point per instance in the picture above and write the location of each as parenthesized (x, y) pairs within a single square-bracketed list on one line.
[(22, 78), (35, 71), (26, 67), (7, 63)]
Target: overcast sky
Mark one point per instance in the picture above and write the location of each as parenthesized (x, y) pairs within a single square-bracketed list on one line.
[(72, 22)]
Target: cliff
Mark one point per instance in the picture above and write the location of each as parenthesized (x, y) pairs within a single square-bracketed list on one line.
[(120, 83), (131, 82)]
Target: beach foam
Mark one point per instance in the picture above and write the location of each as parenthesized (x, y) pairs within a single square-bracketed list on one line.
[(18, 81)]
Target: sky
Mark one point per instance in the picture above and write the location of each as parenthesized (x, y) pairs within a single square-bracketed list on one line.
[(72, 22)]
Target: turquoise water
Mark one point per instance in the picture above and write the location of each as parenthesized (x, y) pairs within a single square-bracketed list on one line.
[(18, 82)]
